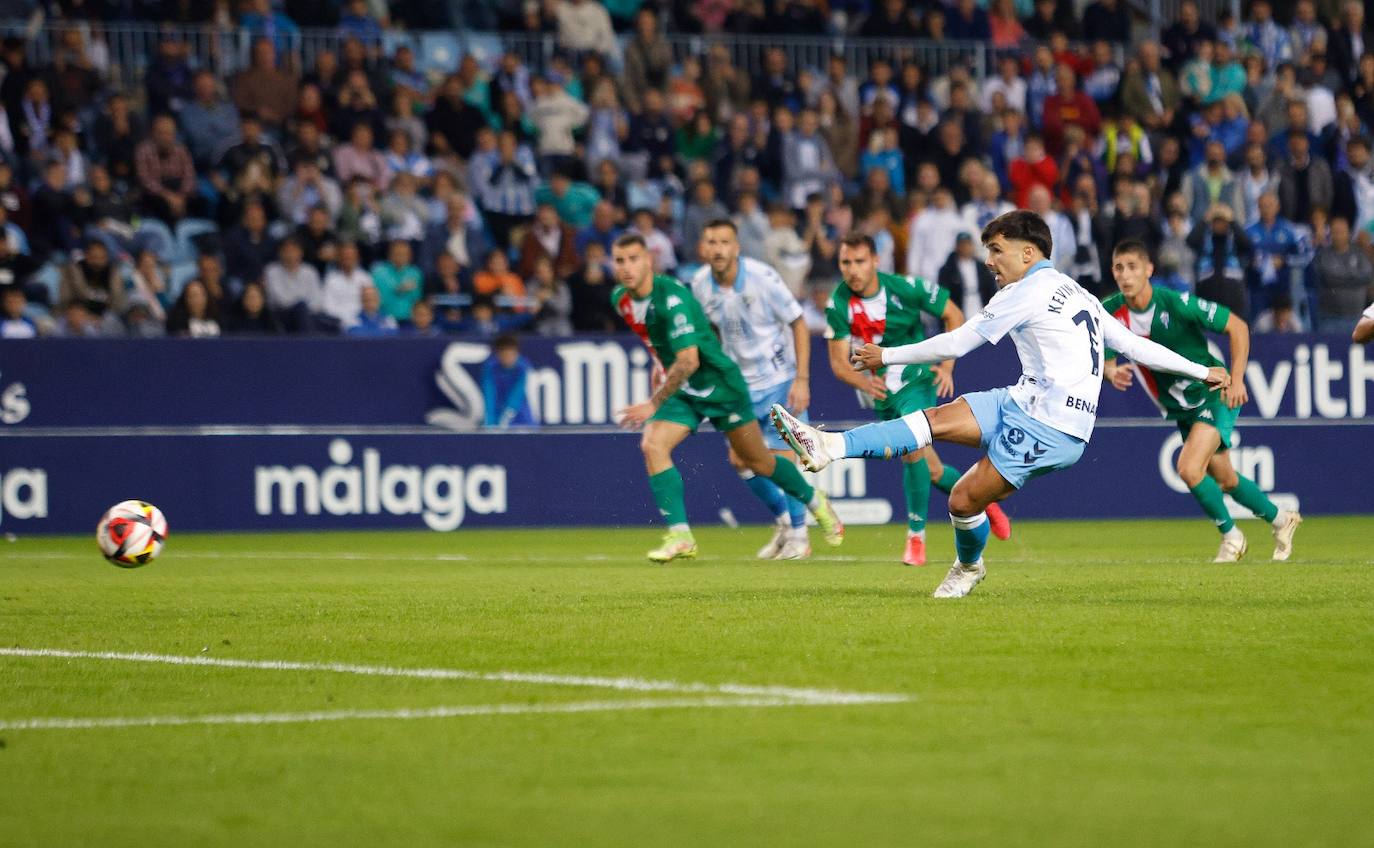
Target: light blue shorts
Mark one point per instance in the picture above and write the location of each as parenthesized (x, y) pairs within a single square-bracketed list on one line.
[(1020, 447), (763, 400)]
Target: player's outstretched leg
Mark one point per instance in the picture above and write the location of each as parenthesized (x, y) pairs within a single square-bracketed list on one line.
[(981, 486), (883, 440), (944, 479), (1243, 490), (1199, 452), (660, 437), (747, 442)]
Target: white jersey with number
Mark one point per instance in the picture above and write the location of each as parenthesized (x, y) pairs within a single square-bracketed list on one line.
[(1058, 330), (1369, 312), (754, 317)]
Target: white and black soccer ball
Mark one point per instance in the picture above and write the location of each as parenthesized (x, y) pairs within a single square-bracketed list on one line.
[(131, 533)]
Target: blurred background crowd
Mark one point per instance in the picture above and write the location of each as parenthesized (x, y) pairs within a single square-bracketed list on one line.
[(444, 166)]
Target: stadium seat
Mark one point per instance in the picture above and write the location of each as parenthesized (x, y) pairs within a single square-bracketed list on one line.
[(186, 233), (439, 52), (177, 278), (154, 234), (486, 48), (49, 276)]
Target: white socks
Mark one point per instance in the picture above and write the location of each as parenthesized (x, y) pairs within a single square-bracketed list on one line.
[(920, 427)]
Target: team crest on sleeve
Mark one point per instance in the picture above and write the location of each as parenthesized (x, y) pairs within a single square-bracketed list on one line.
[(672, 301)]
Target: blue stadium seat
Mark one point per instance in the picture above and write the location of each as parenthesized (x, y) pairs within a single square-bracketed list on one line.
[(177, 278), (439, 52), (157, 236), (485, 48), (187, 230), (49, 276)]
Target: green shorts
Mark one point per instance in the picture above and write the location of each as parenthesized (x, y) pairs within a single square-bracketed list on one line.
[(726, 412), (913, 396), (1214, 413)]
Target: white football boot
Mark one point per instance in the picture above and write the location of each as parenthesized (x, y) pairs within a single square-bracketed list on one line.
[(960, 580), (816, 449), (1233, 547), (773, 549), (795, 546), (1285, 525)]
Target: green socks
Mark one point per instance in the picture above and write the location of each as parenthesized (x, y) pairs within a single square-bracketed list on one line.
[(1208, 495), (1248, 495), (790, 480), (916, 484), (667, 488), (948, 478)]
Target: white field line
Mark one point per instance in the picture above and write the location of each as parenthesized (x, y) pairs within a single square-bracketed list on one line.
[(630, 684), (400, 714)]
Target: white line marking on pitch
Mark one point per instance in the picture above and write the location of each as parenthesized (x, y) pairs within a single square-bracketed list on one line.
[(400, 714), (632, 684)]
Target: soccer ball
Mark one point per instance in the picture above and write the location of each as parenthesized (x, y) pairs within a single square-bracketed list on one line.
[(131, 533)]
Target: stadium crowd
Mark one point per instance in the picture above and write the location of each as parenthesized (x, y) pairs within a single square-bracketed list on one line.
[(361, 194)]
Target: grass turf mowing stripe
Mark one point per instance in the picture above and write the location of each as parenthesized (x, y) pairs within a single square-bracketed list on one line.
[(633, 684)]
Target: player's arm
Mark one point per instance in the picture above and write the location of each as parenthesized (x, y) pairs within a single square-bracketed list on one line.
[(953, 318), (799, 396), (1158, 357), (1364, 331), (869, 384), (951, 345), (684, 366), (1118, 375), (1239, 333)]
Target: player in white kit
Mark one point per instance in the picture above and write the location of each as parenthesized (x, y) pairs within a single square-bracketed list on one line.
[(1040, 424), (762, 329)]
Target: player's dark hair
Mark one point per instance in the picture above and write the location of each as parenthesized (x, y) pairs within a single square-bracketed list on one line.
[(717, 223), (629, 240), (505, 341), (1131, 245), (857, 239), (1021, 225)]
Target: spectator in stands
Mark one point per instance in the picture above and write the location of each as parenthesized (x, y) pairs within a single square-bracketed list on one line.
[(453, 122), (891, 19), (209, 122), (293, 288), (1304, 180), (1068, 107), (601, 230), (968, 280), (504, 378), (702, 207), (584, 26), (725, 86), (357, 22), (1008, 83), (448, 287), (1280, 317), (359, 158), (496, 280), (651, 134), (263, 89), (932, 235), (1341, 279), (808, 166), (966, 22), (250, 316), (987, 203), (773, 84), (1033, 168), (165, 173), (90, 280), (548, 238), (422, 323), (14, 324), (783, 248), (504, 180), (210, 274), (1354, 186), (194, 314), (1212, 182), (1278, 246), (398, 280), (371, 319), (555, 115), (1255, 180), (591, 288), (574, 200), (248, 248), (1064, 243), (149, 279), (54, 214), (752, 224), (307, 189), (1223, 251), (342, 290), (1183, 38), (551, 301), (647, 60)]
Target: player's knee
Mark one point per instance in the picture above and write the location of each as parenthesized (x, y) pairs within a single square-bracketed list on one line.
[(1191, 475), (761, 464), (1227, 482), (652, 448), (961, 504)]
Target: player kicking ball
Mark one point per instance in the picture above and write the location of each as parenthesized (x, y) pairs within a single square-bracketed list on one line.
[(763, 332), (871, 307), (1039, 425), (1179, 321), (700, 382)]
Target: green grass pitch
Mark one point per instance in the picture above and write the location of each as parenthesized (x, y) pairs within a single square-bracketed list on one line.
[(1105, 685)]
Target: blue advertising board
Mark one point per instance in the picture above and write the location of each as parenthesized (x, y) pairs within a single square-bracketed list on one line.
[(333, 382), (443, 481)]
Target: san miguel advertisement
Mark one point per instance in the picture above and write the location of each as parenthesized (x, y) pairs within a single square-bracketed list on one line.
[(346, 434)]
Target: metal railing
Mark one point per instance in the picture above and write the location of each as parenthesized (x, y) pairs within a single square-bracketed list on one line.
[(124, 51)]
